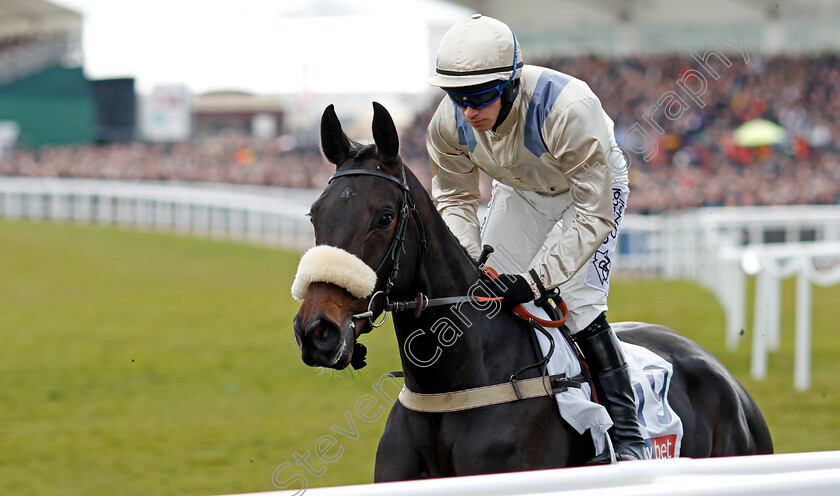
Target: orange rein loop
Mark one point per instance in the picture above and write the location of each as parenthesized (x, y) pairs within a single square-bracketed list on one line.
[(525, 314)]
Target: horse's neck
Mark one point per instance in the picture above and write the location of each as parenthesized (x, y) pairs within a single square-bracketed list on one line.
[(455, 347), (447, 269)]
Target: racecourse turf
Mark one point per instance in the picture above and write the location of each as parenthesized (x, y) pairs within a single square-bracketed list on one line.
[(140, 363)]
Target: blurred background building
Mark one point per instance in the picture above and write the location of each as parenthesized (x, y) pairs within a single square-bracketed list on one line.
[(617, 28), (44, 95)]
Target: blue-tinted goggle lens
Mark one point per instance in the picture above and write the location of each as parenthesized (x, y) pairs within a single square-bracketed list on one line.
[(477, 100)]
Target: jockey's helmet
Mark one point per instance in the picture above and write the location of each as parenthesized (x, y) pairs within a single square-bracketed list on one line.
[(476, 51)]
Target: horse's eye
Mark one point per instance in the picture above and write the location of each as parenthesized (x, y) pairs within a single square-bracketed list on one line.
[(310, 218), (386, 219)]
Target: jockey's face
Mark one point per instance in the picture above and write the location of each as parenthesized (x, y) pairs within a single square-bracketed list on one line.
[(483, 119)]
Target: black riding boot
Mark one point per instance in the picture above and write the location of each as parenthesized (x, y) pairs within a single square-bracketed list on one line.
[(609, 371)]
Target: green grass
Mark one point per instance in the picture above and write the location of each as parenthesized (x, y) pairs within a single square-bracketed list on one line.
[(138, 363)]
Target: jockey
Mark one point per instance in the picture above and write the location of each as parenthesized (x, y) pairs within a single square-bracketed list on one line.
[(550, 148)]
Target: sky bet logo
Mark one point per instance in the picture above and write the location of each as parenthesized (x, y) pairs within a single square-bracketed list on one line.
[(661, 447)]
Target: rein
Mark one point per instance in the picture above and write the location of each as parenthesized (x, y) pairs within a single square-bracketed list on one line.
[(423, 302)]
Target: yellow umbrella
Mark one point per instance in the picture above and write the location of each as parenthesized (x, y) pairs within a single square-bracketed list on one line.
[(759, 132)]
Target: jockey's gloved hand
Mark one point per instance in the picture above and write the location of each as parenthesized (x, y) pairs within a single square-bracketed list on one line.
[(515, 289)]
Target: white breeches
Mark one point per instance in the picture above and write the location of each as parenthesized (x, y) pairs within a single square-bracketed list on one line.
[(521, 225)]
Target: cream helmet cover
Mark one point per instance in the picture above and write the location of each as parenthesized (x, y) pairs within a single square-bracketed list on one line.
[(475, 51)]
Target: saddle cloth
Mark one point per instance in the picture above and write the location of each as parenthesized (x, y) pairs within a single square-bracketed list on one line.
[(650, 376)]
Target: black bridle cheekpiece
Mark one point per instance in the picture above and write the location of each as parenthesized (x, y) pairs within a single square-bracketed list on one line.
[(406, 208)]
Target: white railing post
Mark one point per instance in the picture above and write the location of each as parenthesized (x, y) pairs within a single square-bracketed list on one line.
[(758, 367), (802, 350), (734, 301), (774, 312)]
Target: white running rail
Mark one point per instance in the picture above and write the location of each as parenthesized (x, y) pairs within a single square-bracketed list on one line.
[(255, 215), (811, 474)]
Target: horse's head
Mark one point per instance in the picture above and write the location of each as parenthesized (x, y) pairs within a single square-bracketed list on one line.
[(362, 242)]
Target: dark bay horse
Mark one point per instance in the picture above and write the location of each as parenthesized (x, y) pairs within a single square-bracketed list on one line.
[(379, 217)]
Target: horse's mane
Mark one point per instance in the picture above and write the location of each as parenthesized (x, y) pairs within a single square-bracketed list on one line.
[(413, 182)]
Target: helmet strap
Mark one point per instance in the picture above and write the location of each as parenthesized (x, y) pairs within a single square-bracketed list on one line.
[(510, 91), (508, 96)]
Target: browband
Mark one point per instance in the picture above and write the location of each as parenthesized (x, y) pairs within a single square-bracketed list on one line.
[(365, 172)]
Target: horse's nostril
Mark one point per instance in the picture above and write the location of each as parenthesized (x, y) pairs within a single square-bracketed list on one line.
[(323, 333)]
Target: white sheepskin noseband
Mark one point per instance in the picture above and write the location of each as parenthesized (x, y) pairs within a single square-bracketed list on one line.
[(334, 265)]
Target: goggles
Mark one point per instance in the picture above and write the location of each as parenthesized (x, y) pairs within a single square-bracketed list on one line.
[(480, 99)]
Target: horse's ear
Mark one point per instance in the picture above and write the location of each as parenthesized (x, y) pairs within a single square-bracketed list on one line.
[(334, 143), (385, 135)]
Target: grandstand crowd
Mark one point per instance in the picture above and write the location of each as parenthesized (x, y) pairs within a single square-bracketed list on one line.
[(697, 163)]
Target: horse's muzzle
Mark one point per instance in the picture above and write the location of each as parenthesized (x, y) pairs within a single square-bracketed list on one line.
[(323, 326), (320, 340)]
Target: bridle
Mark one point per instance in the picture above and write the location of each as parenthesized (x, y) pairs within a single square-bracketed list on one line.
[(396, 248)]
